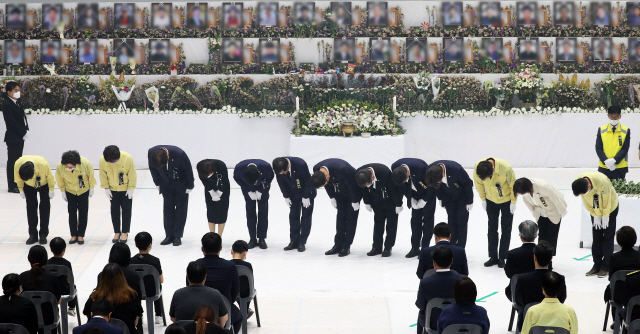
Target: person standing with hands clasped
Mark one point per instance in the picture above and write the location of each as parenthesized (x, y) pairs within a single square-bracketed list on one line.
[(601, 200), (118, 178), (215, 178), (76, 181), (494, 181), (32, 173), (17, 126), (612, 146), (254, 177)]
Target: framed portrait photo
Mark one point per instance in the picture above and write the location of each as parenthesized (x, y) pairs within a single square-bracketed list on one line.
[(268, 50), (232, 50), (159, 50), (633, 14), (51, 15), (634, 50), (232, 15), (197, 15), (452, 14), (123, 50), (268, 14), (344, 49), (416, 50), (14, 51), (490, 14), (378, 14), (563, 13), (600, 13), (124, 15), (566, 50), (161, 14), (16, 17), (341, 13), (379, 49), (87, 51), (453, 49), (87, 16), (528, 49), (601, 49), (303, 12), (526, 13), (492, 48)]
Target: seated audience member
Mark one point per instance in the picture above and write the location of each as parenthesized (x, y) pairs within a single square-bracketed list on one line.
[(205, 322), (100, 315), (222, 274), (438, 285), (120, 254), (442, 235), (15, 309), (519, 260), (174, 329), (465, 311), (37, 279), (551, 311), (186, 301), (239, 252), (626, 259), (143, 243), (114, 288), (58, 247), (529, 288)]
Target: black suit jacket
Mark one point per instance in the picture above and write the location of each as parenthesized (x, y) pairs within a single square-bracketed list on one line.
[(459, 185), (15, 120), (99, 323), (219, 180), (222, 275), (529, 290), (342, 180), (178, 175), (296, 185), (264, 180), (625, 259), (459, 259), (417, 170), (632, 288), (438, 285), (519, 261), (383, 192)]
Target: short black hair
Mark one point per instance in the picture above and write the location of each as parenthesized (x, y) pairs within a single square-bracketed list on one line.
[(27, 171), (543, 252), (240, 246), (159, 158), (364, 176), (280, 165), (464, 290), (143, 240), (442, 230), (211, 243), (251, 174), (10, 284), (580, 186), (626, 237), (57, 245), (102, 307), (318, 179), (551, 283), (70, 157), (111, 153), (433, 176), (442, 256), (120, 254), (522, 186), (484, 169), (205, 168), (10, 85), (196, 272), (614, 110), (399, 175)]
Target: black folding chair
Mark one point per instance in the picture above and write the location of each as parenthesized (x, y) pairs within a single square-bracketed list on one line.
[(244, 301), (120, 324), (435, 304), (515, 308), (39, 298), (59, 271), (145, 270), (13, 329), (228, 324), (617, 277), (548, 330), (463, 328)]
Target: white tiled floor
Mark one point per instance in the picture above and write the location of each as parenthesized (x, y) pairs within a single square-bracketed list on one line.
[(310, 292)]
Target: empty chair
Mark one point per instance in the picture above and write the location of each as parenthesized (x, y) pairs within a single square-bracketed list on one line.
[(514, 306), (244, 301), (120, 324), (144, 270), (618, 276), (463, 328), (58, 271), (548, 330), (13, 329), (43, 297), (628, 322), (435, 305)]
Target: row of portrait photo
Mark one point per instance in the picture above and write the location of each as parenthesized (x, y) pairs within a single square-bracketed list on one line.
[(90, 51)]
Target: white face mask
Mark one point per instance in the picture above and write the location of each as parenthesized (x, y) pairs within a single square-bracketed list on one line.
[(71, 169), (614, 122), (16, 95), (115, 162)]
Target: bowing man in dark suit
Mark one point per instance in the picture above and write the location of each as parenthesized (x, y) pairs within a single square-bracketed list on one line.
[(626, 259), (215, 178), (254, 177), (172, 174), (410, 173), (454, 189), (100, 316), (520, 260), (442, 234), (294, 180), (438, 285), (381, 196), (338, 179), (17, 126), (529, 287)]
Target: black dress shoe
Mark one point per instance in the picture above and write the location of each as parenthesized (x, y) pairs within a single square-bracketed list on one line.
[(176, 242), (386, 252), (252, 243), (262, 244), (14, 190), (80, 242), (492, 262), (334, 250), (32, 240), (374, 252), (43, 240), (291, 246), (344, 252), (413, 253), (73, 241), (500, 263), (301, 248), (166, 241)]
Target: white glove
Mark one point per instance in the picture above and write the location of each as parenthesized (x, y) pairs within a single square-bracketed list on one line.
[(334, 203), (288, 201), (356, 206), (252, 195), (258, 195), (22, 194), (421, 203), (398, 209), (440, 203), (26, 135), (597, 222), (64, 196), (91, 192), (512, 208), (469, 207), (51, 194), (188, 191), (605, 222), (108, 192), (368, 207), (306, 202), (130, 193), (414, 204), (610, 163), (484, 205), (214, 195), (158, 188), (564, 213)]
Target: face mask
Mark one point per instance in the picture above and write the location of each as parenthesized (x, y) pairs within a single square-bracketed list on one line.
[(614, 121), (71, 169), (16, 95), (115, 162)]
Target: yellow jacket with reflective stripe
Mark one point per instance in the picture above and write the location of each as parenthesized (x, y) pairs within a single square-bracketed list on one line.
[(68, 181), (612, 143), (41, 169), (110, 173), (607, 197), (502, 175)]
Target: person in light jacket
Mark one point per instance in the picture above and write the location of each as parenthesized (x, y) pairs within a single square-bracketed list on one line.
[(547, 205)]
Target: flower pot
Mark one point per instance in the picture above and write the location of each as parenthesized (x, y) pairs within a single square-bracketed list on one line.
[(365, 135)]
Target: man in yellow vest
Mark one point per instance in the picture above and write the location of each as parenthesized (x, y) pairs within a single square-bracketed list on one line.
[(612, 146), (33, 176), (118, 178), (601, 200)]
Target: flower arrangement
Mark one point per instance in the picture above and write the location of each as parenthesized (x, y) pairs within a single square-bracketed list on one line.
[(327, 119), (527, 82)]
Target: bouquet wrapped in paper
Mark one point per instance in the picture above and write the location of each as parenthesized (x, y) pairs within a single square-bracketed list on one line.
[(153, 96)]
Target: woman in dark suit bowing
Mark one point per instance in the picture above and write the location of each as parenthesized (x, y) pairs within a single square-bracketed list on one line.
[(17, 127), (215, 178)]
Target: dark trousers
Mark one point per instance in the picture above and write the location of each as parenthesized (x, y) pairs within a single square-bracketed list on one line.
[(346, 223), (257, 222), (618, 174), (31, 195), (493, 213), (458, 218), (236, 318), (299, 221), (422, 224), (176, 204), (78, 207), (14, 152), (381, 215), (602, 246), (548, 231), (120, 203)]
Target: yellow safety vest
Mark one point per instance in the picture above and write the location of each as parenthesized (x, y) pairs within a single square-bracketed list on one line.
[(612, 143)]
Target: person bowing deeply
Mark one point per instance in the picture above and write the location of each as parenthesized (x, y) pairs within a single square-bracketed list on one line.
[(118, 178), (33, 176), (215, 178), (295, 183), (254, 177)]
